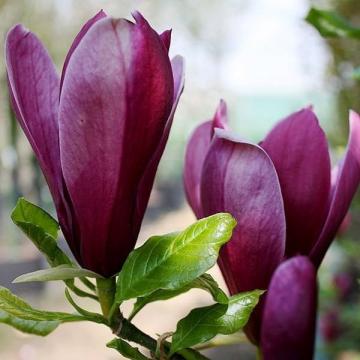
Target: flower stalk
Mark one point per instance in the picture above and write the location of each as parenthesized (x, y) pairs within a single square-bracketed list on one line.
[(125, 330), (106, 288), (121, 327)]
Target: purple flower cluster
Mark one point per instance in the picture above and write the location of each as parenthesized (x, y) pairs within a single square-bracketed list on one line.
[(99, 131), (288, 211)]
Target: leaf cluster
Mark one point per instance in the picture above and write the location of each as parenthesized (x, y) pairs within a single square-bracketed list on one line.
[(164, 267)]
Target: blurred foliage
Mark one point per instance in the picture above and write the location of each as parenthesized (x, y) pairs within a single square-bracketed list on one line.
[(345, 53), (339, 320), (340, 291), (332, 25)]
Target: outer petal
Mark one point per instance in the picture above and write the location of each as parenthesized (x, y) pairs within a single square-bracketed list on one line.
[(100, 15), (147, 181), (34, 87), (299, 151), (195, 154), (346, 185), (289, 318), (196, 151), (116, 99), (34, 91), (240, 178)]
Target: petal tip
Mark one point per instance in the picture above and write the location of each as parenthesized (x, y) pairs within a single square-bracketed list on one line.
[(222, 108), (139, 18), (354, 142), (179, 60), (354, 119), (309, 110), (17, 30), (101, 13), (306, 114), (166, 38), (178, 66), (220, 117), (354, 116)]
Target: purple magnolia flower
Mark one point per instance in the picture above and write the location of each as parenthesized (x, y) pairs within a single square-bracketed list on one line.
[(279, 191), (98, 131)]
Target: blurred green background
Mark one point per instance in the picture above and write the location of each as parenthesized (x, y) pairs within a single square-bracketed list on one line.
[(265, 61)]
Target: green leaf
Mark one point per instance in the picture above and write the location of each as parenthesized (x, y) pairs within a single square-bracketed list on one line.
[(35, 327), (61, 272), (41, 229), (126, 350), (238, 312), (202, 324), (174, 260), (26, 212), (17, 307), (204, 282), (191, 354), (199, 326), (91, 316), (331, 24)]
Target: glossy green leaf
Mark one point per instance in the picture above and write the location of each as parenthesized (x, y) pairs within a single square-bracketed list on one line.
[(18, 308), (238, 312), (61, 272), (204, 282), (174, 260), (199, 326), (41, 229), (126, 350), (331, 24), (35, 327), (202, 324), (26, 212)]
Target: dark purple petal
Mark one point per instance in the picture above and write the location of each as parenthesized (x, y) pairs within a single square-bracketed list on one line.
[(100, 15), (289, 317), (34, 87), (166, 39), (115, 102), (34, 91), (299, 150), (346, 185), (147, 181), (195, 154), (240, 178)]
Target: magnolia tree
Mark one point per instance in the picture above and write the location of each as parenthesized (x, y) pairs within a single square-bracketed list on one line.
[(98, 132)]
